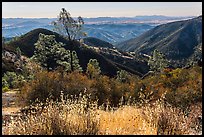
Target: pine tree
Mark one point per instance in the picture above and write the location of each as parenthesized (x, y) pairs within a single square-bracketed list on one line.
[(50, 53), (18, 52), (158, 61), (75, 62), (93, 69), (68, 27), (122, 76)]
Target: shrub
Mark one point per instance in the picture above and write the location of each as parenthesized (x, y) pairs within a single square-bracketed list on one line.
[(5, 89), (188, 89), (4, 83), (106, 89), (12, 80), (50, 84), (101, 89)]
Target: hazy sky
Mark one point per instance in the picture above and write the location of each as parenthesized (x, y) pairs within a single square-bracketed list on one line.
[(99, 9)]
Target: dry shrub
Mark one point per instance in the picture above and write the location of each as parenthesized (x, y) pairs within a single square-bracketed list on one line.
[(171, 120), (50, 84), (181, 87)]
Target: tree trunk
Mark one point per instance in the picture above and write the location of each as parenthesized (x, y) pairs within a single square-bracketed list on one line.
[(72, 69)]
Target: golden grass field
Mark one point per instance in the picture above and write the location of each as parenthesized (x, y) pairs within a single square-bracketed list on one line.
[(80, 117)]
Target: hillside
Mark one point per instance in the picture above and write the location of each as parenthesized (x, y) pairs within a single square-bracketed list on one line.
[(108, 67), (91, 41), (177, 39), (115, 33), (112, 33)]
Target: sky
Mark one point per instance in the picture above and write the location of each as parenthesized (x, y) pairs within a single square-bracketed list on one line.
[(99, 9)]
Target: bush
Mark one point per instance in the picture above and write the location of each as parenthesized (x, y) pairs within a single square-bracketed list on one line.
[(187, 88), (106, 89), (12, 80), (5, 89), (50, 84), (4, 83)]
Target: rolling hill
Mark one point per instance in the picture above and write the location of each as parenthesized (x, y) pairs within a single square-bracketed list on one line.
[(177, 40), (95, 42), (108, 67)]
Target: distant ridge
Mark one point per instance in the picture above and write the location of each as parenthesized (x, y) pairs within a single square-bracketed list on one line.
[(177, 40)]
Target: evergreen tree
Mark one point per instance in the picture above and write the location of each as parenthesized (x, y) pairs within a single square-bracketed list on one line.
[(50, 53), (75, 62), (93, 69), (122, 76), (66, 65), (18, 52), (157, 62)]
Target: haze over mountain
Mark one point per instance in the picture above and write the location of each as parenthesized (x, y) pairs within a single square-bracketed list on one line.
[(177, 40), (154, 19), (110, 29)]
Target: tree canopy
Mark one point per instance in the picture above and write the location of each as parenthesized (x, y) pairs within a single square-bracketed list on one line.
[(68, 26), (158, 61), (51, 54), (93, 69)]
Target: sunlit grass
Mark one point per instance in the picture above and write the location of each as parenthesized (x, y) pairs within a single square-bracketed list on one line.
[(79, 116)]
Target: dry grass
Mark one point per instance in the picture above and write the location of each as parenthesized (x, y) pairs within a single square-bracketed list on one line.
[(80, 117), (126, 120)]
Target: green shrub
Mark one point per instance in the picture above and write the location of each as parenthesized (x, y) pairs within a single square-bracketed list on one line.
[(5, 89), (4, 83), (12, 80)]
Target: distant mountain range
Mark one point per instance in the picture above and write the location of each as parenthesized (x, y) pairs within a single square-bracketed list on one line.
[(154, 19), (110, 29), (115, 33), (177, 40)]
